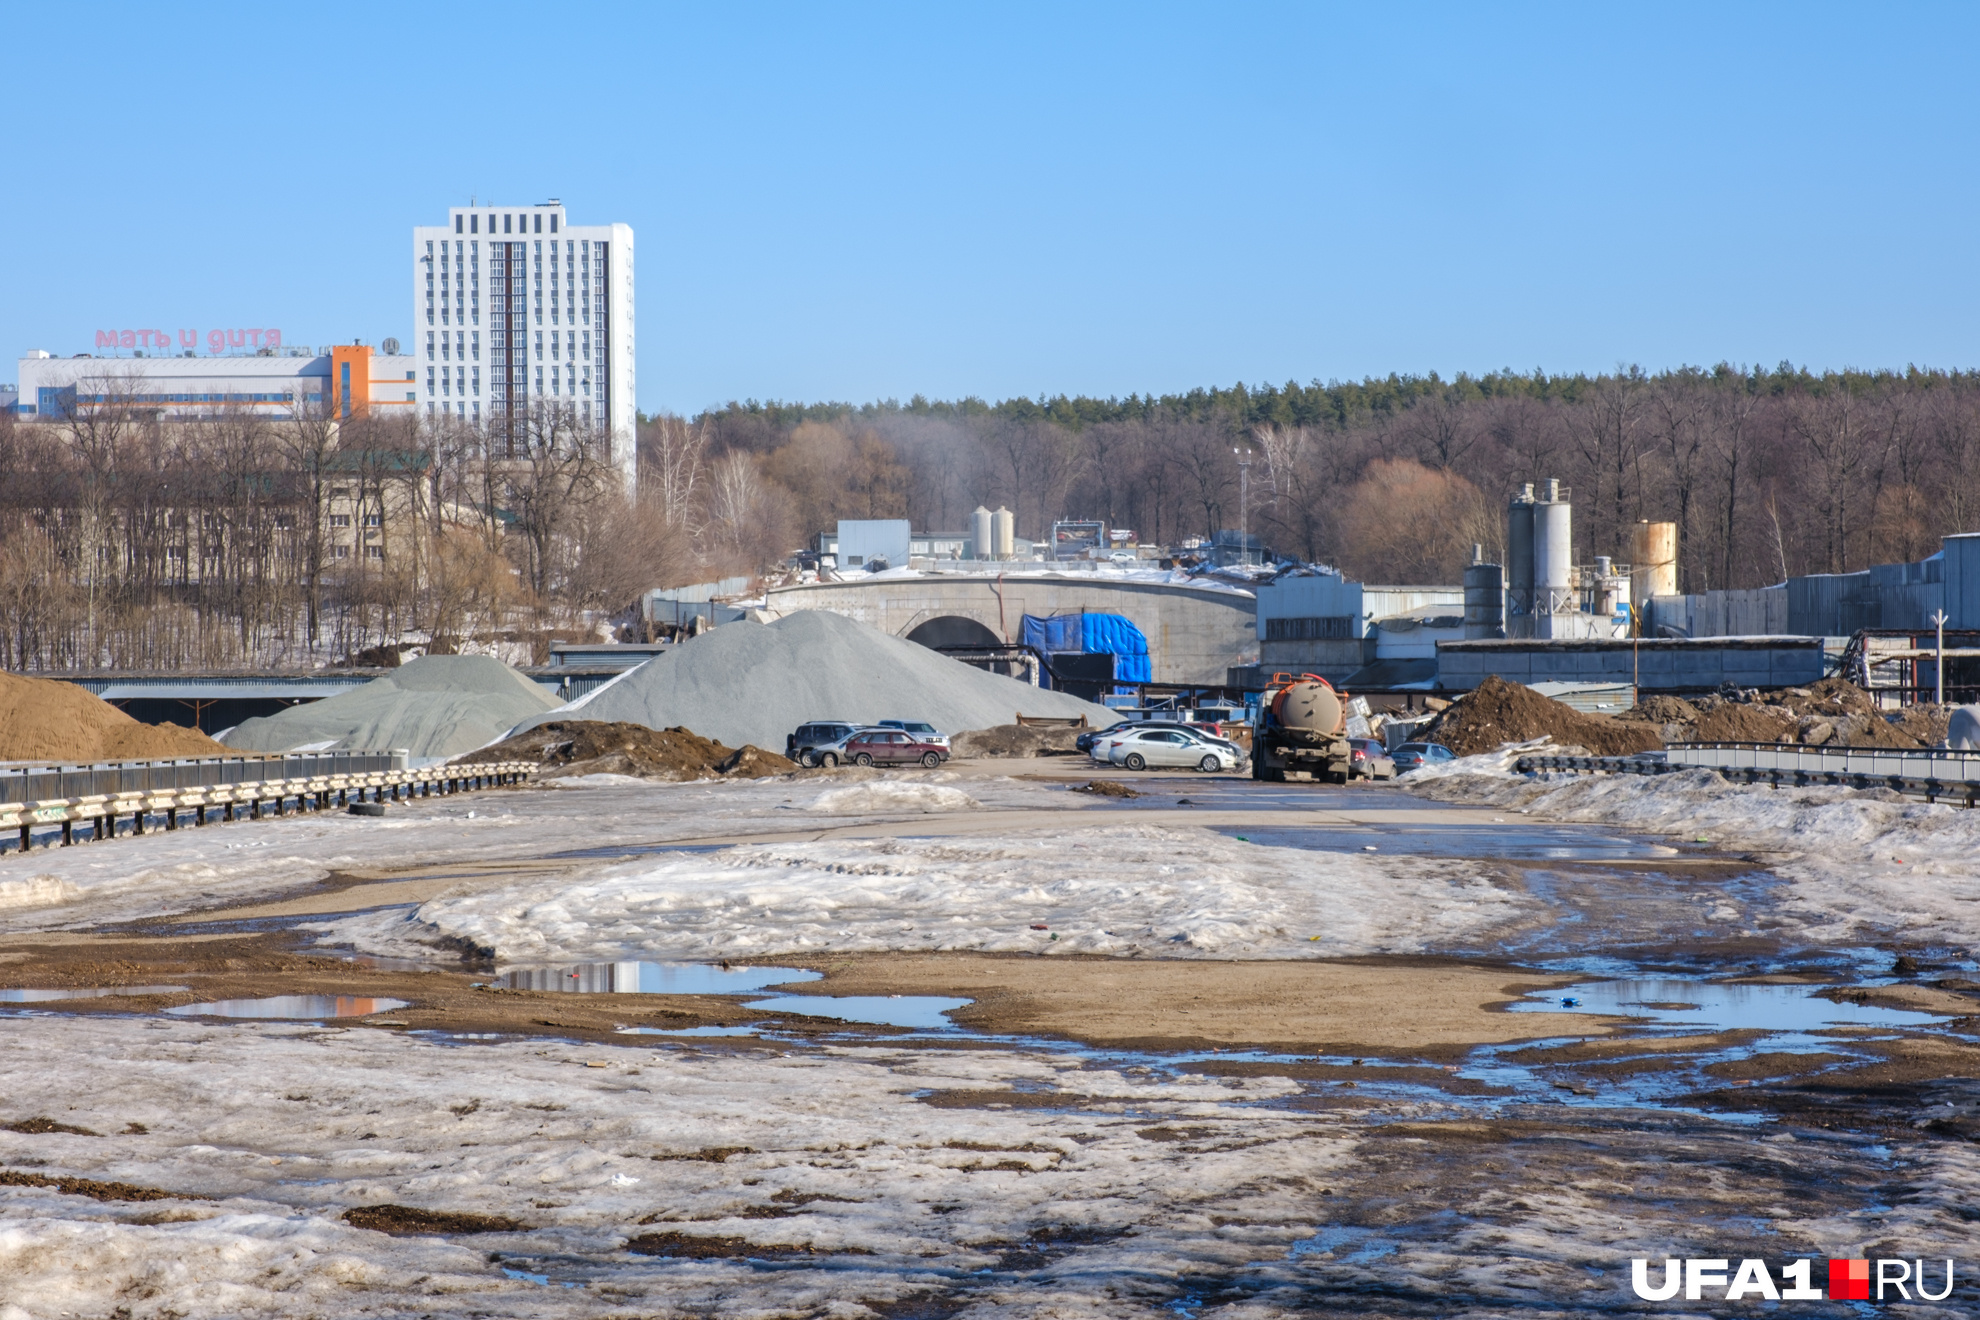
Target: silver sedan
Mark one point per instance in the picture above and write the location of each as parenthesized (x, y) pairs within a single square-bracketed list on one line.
[(1143, 749)]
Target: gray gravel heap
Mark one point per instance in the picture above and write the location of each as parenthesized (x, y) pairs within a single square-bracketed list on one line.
[(439, 705), (754, 683)]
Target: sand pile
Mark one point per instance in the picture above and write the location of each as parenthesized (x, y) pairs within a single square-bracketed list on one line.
[(1017, 740), (44, 719), (593, 747), (1499, 712), (755, 683), (439, 705)]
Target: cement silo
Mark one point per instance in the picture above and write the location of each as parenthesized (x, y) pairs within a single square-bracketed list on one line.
[(1553, 560), (1653, 569), (1484, 601), (981, 535), (1003, 534), (1519, 563)]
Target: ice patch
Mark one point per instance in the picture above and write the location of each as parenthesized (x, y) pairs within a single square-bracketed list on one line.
[(892, 795), (1861, 862), (1123, 890)]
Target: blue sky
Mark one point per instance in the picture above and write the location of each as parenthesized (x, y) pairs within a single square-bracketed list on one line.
[(870, 201)]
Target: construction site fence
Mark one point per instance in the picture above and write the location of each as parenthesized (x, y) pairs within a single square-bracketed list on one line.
[(1932, 774), (319, 787)]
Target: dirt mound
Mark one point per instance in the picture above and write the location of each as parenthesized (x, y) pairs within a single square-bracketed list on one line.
[(591, 747), (1736, 721), (1927, 724), (1661, 709), (1017, 740), (1500, 712), (46, 720), (1830, 698)]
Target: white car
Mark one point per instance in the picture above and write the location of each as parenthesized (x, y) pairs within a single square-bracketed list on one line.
[(1143, 749)]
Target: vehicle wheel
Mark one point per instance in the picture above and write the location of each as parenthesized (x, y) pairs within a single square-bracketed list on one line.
[(864, 758), (1134, 761), (1209, 765), (930, 760), (807, 759), (828, 759)]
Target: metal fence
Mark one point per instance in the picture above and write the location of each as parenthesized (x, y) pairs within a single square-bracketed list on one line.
[(43, 784), (1789, 758)]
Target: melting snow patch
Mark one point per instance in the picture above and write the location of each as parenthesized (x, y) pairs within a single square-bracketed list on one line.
[(891, 795)]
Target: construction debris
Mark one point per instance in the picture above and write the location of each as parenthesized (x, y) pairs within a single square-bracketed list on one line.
[(1498, 711), (1017, 740)]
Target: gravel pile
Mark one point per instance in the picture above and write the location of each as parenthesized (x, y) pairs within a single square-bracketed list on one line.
[(436, 706), (755, 683)]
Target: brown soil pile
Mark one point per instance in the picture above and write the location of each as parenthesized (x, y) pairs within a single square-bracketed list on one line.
[(46, 720), (590, 747), (1927, 724), (1737, 721), (404, 1219), (1661, 709), (1830, 698), (1017, 740), (1500, 712)]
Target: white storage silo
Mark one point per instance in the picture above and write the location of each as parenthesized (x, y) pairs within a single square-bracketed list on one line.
[(980, 535), (1003, 533), (1553, 559)]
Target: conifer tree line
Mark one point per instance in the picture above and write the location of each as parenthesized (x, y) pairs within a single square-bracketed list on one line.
[(128, 542)]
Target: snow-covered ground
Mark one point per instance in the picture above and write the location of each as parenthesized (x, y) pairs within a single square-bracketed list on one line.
[(1121, 889), (1861, 863), (194, 868), (287, 1126)]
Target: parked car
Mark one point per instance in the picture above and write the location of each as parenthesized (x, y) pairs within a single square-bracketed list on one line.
[(891, 747), (919, 728), (821, 742), (1371, 760), (1142, 749), (1087, 741), (1414, 755)]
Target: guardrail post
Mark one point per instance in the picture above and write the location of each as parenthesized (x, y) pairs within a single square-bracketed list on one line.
[(27, 836), (68, 833), (171, 818), (137, 821)]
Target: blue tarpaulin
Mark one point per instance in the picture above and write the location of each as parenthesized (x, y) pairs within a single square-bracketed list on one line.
[(1094, 634)]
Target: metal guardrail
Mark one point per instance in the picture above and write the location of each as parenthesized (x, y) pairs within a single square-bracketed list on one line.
[(1916, 762), (1787, 773), (102, 812), (35, 784)]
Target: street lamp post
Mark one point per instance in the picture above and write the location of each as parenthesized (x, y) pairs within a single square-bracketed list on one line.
[(1939, 621)]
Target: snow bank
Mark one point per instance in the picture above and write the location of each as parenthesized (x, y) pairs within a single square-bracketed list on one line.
[(1862, 863), (1122, 890), (892, 795)]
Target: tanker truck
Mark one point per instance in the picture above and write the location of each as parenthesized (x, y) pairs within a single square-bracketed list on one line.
[(1300, 731)]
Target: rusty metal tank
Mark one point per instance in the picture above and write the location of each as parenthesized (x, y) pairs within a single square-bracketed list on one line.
[(1309, 705)]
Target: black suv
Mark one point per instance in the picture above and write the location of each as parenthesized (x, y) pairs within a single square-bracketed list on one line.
[(803, 745)]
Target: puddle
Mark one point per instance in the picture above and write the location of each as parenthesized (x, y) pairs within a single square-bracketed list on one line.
[(1711, 1006), (652, 978), (686, 1031), (1518, 842), (1343, 1243), (291, 1006), (97, 992), (923, 1011)]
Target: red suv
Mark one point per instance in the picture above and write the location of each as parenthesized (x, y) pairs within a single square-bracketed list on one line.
[(893, 747)]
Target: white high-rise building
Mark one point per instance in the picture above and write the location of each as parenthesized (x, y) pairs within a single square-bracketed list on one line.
[(515, 308)]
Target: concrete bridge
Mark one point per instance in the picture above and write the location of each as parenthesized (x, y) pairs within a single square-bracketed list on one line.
[(1195, 633)]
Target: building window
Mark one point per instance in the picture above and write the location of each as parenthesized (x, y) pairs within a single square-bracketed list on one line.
[(474, 224), (539, 380), (429, 345), (457, 224), (539, 345), (374, 552), (340, 520), (505, 225), (477, 383), (444, 345), (373, 519), (553, 222), (429, 382), (587, 346), (476, 343), (340, 552), (539, 224)]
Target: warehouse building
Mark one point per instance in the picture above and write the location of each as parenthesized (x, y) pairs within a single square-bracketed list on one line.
[(346, 379)]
